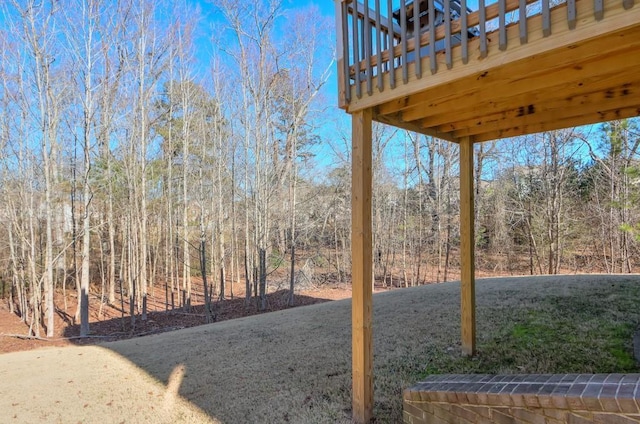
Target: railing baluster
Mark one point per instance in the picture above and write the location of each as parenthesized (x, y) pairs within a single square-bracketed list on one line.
[(391, 63), (522, 15), (403, 29), (464, 32), (627, 4), (571, 13), (432, 37), (367, 47), (379, 47), (343, 52), (363, 42), (447, 33), (356, 50), (385, 46), (416, 37), (384, 34), (483, 30), (598, 9), (502, 39), (546, 19)]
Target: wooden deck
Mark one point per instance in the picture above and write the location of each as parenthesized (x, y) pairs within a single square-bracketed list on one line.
[(470, 76), (567, 78)]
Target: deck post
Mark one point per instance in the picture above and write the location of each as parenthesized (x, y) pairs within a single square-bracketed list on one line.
[(467, 246), (362, 267), (344, 92)]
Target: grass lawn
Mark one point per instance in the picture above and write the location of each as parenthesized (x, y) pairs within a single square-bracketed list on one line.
[(295, 365), (587, 331)]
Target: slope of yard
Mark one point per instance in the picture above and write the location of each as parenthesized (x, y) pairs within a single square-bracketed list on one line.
[(294, 365), (112, 322)]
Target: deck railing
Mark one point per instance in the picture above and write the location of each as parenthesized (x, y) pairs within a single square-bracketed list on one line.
[(378, 37)]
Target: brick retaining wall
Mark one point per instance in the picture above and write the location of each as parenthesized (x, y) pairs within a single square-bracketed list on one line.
[(527, 399)]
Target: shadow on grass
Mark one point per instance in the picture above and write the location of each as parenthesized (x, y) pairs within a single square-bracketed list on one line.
[(240, 369), (177, 318), (295, 367)]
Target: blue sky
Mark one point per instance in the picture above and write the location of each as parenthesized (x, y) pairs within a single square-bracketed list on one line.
[(210, 20), (210, 16), (334, 121), (325, 6)]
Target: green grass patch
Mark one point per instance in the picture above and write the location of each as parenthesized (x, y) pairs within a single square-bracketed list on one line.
[(556, 334)]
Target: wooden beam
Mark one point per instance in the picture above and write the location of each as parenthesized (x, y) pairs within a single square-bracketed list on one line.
[(625, 96), (362, 267), (576, 121), (467, 245), (396, 121), (492, 110)]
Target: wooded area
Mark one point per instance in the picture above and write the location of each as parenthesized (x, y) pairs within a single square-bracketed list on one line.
[(128, 161)]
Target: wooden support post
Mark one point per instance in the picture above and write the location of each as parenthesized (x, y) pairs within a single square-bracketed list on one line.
[(467, 245), (362, 267), (342, 34)]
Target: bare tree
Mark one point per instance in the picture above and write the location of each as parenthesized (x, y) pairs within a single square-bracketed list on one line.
[(42, 98)]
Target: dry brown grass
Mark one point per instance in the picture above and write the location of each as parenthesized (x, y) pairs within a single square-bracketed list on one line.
[(287, 366)]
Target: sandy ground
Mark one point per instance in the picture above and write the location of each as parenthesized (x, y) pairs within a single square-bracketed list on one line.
[(87, 384), (286, 366)]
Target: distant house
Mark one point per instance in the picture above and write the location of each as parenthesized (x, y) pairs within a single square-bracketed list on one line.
[(455, 12)]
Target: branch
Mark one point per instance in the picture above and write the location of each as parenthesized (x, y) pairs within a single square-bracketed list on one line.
[(54, 339), (25, 337)]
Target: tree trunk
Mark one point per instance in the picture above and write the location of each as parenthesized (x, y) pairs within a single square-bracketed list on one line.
[(203, 270), (262, 275)]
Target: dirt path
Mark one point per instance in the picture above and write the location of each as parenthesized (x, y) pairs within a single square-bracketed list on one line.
[(286, 366)]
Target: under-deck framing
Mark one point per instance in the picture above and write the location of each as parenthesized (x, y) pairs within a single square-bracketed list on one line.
[(504, 69)]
